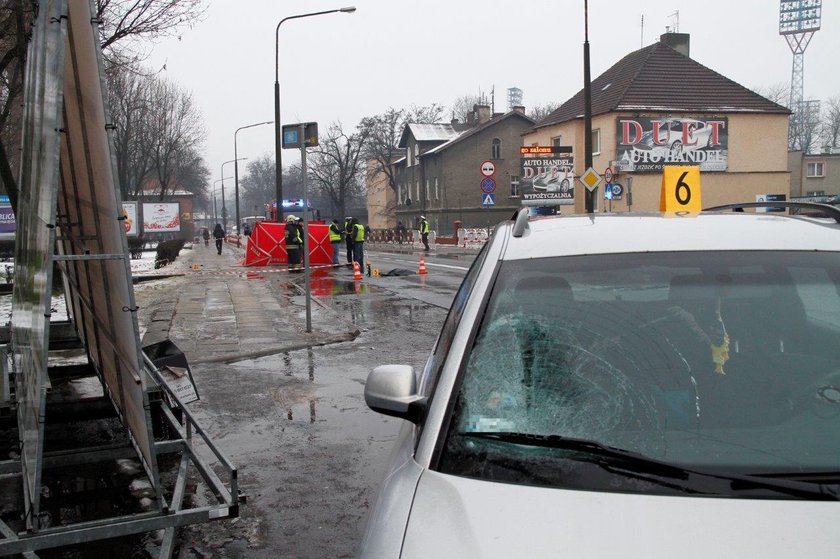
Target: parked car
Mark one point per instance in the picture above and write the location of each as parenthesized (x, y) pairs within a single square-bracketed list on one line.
[(625, 385)]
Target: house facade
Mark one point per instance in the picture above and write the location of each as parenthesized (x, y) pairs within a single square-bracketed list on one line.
[(441, 175), (815, 175), (658, 107)]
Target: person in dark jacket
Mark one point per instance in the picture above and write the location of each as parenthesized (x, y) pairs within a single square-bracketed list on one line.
[(219, 235), (294, 241), (348, 237)]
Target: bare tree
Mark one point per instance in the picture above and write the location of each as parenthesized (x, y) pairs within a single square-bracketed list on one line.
[(146, 19), (258, 186), (464, 106), (382, 135), (336, 165), (123, 22), (16, 18), (778, 93), (128, 92), (539, 112), (831, 123), (176, 131)]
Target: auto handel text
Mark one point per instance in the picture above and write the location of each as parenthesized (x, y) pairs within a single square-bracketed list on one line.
[(648, 144)]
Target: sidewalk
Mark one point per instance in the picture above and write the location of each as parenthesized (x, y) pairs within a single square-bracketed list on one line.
[(217, 313)]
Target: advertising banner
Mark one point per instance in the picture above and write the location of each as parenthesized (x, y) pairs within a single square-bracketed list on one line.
[(129, 214), (548, 179), (7, 216), (646, 145), (164, 217)]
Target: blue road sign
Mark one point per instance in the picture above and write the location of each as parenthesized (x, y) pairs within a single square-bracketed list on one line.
[(488, 200), (488, 185)]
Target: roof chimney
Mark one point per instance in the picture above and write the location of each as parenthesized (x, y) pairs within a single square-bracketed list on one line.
[(519, 109), (482, 113), (680, 42)]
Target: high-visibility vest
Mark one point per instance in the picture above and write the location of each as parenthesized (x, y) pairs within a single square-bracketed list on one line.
[(359, 237), (335, 233), (297, 240), (424, 227)]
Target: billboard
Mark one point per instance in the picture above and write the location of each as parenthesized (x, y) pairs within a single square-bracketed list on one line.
[(129, 215), (162, 217), (7, 216), (646, 145), (548, 178)]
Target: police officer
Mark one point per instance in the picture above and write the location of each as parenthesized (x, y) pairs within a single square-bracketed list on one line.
[(294, 241), (358, 242), (424, 231), (335, 239), (348, 237)]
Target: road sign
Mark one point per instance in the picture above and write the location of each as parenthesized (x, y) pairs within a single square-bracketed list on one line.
[(608, 176), (290, 135), (680, 189), (617, 191), (488, 168), (591, 179), (488, 185), (488, 200)]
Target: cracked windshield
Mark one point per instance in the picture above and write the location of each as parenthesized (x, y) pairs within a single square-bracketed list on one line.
[(386, 279)]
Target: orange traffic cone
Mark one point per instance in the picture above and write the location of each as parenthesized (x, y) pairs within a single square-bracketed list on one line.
[(357, 272), (422, 270)]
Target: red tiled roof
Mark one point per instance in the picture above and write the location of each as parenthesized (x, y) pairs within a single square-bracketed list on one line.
[(658, 78)]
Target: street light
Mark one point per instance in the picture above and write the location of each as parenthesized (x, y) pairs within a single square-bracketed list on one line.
[(277, 127), (224, 208), (236, 167), (215, 217)]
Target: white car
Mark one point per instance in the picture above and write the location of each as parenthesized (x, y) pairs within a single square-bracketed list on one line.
[(625, 386)]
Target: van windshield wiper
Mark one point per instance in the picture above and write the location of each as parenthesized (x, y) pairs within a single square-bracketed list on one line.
[(629, 462)]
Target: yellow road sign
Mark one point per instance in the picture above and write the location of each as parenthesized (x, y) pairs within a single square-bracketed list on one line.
[(680, 189), (590, 179)]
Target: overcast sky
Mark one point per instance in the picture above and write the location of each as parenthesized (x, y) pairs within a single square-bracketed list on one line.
[(343, 67)]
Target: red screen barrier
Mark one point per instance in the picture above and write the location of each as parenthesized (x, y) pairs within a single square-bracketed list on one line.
[(267, 245)]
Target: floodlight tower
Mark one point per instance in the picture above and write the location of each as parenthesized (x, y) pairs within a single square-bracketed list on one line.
[(798, 21), (514, 97)]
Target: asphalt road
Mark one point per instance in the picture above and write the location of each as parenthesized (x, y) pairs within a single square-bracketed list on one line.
[(310, 454)]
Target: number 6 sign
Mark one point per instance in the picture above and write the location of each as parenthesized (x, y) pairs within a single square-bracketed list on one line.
[(680, 189)]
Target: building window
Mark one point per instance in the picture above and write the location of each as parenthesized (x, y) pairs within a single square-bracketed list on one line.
[(596, 141), (427, 190), (416, 153), (496, 149), (437, 190), (514, 186), (557, 141), (417, 190), (399, 195), (815, 169)]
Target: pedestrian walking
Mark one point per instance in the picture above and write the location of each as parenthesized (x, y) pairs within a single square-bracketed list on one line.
[(358, 242), (400, 232), (294, 241), (424, 232), (335, 239), (205, 233), (348, 238), (219, 235)]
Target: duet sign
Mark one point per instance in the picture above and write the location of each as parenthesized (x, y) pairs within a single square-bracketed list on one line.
[(647, 144)]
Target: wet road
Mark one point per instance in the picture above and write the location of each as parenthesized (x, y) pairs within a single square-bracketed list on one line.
[(310, 453)]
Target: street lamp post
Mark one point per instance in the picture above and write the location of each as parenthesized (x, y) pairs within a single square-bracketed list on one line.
[(236, 168), (277, 126), (215, 215), (224, 207)]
